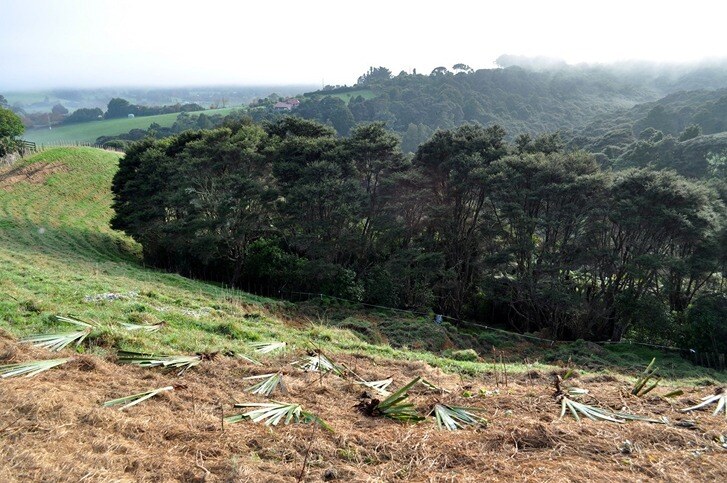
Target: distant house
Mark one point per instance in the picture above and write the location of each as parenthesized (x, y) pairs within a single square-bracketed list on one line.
[(286, 105), (282, 106)]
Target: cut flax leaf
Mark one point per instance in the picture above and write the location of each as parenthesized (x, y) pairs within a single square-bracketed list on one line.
[(29, 369), (58, 341), (274, 412), (268, 385), (267, 347), (135, 399), (433, 387), (378, 386), (250, 360), (71, 320), (591, 412), (319, 363), (453, 418), (166, 361), (719, 398)]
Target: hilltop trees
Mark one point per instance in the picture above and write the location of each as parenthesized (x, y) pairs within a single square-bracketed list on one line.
[(10, 127), (84, 115), (10, 124), (471, 226)]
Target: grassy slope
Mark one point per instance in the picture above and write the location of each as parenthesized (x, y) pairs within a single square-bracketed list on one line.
[(88, 132)]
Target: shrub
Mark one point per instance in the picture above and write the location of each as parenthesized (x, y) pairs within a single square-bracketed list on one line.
[(469, 355), (706, 327)]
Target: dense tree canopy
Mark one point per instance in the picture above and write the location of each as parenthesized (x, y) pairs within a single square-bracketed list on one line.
[(10, 124), (10, 127), (527, 234)]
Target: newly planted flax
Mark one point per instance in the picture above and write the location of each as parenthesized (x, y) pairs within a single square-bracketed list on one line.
[(453, 418), (271, 414), (640, 386), (395, 406), (267, 347), (269, 383)]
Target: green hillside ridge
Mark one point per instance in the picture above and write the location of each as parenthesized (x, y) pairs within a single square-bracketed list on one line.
[(58, 255), (88, 132)]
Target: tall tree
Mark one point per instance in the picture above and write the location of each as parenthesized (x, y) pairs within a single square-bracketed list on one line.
[(453, 166)]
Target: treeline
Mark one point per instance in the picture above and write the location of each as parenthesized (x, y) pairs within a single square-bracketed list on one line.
[(526, 234), (185, 121), (119, 107)]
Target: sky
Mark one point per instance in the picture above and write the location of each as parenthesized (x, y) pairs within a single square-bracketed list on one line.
[(109, 43)]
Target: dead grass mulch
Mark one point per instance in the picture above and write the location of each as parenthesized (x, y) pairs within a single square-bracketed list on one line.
[(53, 428)]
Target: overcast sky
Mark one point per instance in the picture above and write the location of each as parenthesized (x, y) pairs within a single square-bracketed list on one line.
[(97, 43)]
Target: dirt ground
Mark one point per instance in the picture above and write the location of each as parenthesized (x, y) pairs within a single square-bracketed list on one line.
[(32, 173), (53, 428)]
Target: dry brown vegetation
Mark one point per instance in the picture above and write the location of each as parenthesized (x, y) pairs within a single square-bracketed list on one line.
[(53, 428)]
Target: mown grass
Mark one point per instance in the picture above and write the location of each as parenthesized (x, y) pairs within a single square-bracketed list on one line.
[(57, 252), (88, 132)]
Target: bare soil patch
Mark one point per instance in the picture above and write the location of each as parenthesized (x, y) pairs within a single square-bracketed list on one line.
[(53, 428), (35, 173)]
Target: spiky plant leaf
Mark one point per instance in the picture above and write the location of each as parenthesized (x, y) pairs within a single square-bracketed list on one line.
[(274, 412), (30, 368), (719, 398), (250, 360), (591, 412), (153, 360), (142, 327), (636, 417), (378, 386), (56, 342), (268, 385), (577, 391), (135, 399), (267, 347), (60, 340), (71, 320), (453, 418)]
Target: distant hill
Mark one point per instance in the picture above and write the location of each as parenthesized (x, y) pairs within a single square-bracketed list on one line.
[(523, 100)]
